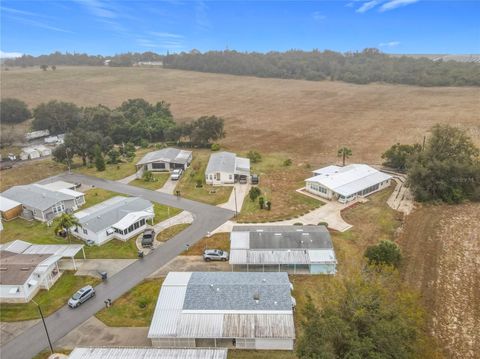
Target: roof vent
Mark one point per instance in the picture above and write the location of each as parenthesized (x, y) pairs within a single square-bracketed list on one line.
[(305, 234), (275, 302), (264, 280), (256, 297), (25, 268), (278, 234)]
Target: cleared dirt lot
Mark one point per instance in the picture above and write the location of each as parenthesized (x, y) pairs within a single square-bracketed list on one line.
[(304, 118), (441, 245)]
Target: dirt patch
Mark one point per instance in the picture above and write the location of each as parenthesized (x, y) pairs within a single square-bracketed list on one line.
[(441, 245)]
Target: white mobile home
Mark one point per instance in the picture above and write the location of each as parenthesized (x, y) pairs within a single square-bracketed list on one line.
[(224, 309), (147, 353), (43, 150), (347, 183), (29, 153), (296, 249), (118, 217), (166, 159), (226, 168)]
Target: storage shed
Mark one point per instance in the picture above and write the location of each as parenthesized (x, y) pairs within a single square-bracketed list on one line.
[(224, 309), (9, 209)]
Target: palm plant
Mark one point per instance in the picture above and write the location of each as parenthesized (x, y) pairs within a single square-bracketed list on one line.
[(345, 153), (65, 222)]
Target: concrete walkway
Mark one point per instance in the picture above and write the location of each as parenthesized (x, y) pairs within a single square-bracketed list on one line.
[(168, 187), (66, 320), (128, 179), (91, 267), (401, 198), (241, 192), (95, 333)]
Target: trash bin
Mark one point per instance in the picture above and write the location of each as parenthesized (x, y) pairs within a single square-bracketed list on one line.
[(140, 254), (103, 275)]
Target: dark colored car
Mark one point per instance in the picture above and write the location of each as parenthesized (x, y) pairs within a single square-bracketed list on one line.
[(148, 238), (254, 179)]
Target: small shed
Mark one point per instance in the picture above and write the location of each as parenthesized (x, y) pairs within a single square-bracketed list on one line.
[(9, 209), (43, 150), (29, 154)]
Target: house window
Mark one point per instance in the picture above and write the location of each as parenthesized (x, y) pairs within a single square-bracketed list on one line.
[(158, 165), (230, 177), (85, 231), (211, 177), (142, 221), (58, 208), (217, 176)]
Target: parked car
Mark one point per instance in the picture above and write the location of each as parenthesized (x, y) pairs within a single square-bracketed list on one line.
[(148, 237), (81, 296), (254, 179), (215, 255), (176, 174)]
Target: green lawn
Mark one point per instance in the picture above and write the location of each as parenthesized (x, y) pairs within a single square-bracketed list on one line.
[(159, 181), (96, 195), (50, 301), (170, 232), (187, 185), (134, 308), (164, 212)]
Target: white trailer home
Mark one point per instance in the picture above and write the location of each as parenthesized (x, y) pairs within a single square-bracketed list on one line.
[(226, 168)]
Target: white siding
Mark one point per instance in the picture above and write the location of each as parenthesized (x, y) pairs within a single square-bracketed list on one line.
[(274, 344)]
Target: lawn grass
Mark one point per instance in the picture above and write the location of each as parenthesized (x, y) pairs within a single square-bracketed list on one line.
[(163, 212), (134, 308), (278, 184), (158, 182), (170, 232), (215, 241), (114, 249), (50, 300), (96, 195), (187, 185), (260, 354)]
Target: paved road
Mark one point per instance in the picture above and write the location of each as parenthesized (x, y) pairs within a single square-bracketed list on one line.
[(206, 219)]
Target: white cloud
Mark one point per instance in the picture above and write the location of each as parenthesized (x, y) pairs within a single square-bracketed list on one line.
[(166, 35), (201, 15), (39, 24), (165, 44), (367, 6), (393, 4), (98, 8), (318, 16), (9, 55), (389, 44)]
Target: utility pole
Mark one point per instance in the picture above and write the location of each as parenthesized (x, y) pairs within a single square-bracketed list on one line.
[(45, 326), (67, 150), (235, 194)]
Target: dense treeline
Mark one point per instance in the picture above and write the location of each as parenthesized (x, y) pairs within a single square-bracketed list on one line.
[(363, 67), (78, 59)]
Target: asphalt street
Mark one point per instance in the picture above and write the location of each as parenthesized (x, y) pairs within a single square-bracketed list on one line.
[(206, 219)]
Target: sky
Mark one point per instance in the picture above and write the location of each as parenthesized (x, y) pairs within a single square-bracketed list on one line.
[(111, 27)]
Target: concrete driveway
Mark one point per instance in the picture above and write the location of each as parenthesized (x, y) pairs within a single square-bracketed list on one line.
[(65, 320), (240, 191), (168, 187)]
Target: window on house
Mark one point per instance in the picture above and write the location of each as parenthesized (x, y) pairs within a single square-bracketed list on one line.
[(142, 221), (85, 231), (217, 176)]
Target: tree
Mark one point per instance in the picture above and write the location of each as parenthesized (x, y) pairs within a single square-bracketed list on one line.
[(148, 176), (384, 253), (448, 169), (56, 116), (254, 193), (206, 129), (261, 202), (113, 156), (254, 156), (82, 143), (53, 67), (344, 153), (65, 222), (62, 154), (99, 160), (368, 315), (13, 110), (398, 155), (44, 67)]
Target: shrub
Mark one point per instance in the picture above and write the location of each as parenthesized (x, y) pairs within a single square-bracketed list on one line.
[(199, 183), (323, 224), (254, 156), (287, 162), (215, 147), (298, 224), (385, 252), (148, 176), (254, 193), (143, 143), (99, 160), (269, 205), (261, 202), (142, 302)]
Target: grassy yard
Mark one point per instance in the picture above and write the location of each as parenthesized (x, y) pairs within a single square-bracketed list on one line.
[(187, 185), (260, 354), (159, 181), (278, 184), (50, 301), (96, 195), (134, 308), (170, 232), (216, 241), (164, 212)]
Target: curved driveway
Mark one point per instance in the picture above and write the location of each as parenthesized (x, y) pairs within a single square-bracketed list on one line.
[(60, 323)]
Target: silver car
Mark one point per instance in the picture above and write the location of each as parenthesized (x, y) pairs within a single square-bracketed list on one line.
[(215, 255), (81, 296), (176, 174)]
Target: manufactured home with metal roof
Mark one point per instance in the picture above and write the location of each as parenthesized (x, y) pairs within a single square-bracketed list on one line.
[(296, 249), (118, 217), (347, 183), (226, 168), (224, 309), (147, 353), (166, 159)]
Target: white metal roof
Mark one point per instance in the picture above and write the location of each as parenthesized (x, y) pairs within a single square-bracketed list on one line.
[(169, 154), (131, 218), (148, 353), (177, 278), (29, 150), (63, 250), (58, 185), (7, 204), (239, 240), (319, 256), (16, 246), (348, 180)]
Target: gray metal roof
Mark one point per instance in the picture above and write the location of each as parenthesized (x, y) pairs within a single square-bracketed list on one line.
[(36, 196), (221, 162), (109, 212), (148, 353), (287, 237), (238, 291), (170, 155)]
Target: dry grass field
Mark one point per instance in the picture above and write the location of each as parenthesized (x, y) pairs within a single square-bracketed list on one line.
[(441, 245), (308, 120)]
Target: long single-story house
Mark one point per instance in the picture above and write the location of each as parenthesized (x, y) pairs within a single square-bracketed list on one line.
[(118, 217), (166, 159), (346, 183), (43, 204), (43, 150), (148, 353), (10, 209), (299, 249), (26, 268), (224, 309), (226, 168), (29, 153)]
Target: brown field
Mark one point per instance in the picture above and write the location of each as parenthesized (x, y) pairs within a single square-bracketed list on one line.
[(441, 245), (303, 118)]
